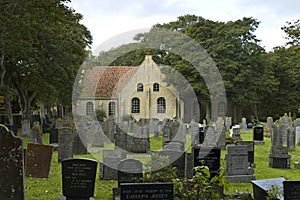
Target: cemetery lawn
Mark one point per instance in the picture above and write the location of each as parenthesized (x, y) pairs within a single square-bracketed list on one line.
[(51, 188)]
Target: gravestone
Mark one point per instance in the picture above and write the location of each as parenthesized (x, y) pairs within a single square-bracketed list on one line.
[(137, 144), (287, 122), (258, 135), (38, 160), (147, 191), (194, 131), (109, 167), (244, 125), (291, 190), (250, 145), (53, 138), (11, 166), (210, 139), (166, 130), (36, 134), (78, 178), (96, 134), (201, 134), (110, 123), (210, 157), (175, 158), (120, 138), (278, 157), (261, 187), (174, 145), (228, 122), (130, 171), (236, 134), (25, 128), (237, 165), (79, 146), (291, 137), (65, 143), (296, 126), (221, 133), (189, 165), (270, 123)]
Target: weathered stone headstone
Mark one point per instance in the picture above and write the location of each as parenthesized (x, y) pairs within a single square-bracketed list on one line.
[(174, 145), (11, 166), (221, 133), (130, 171), (287, 122), (210, 139), (149, 191), (296, 126), (244, 125), (237, 165), (291, 190), (25, 128), (194, 130), (166, 130), (270, 123), (36, 134), (250, 145), (291, 137), (38, 160), (228, 122), (78, 178), (110, 123), (258, 135), (120, 138), (65, 143), (261, 187), (137, 144), (109, 167), (79, 146), (209, 157), (278, 157)]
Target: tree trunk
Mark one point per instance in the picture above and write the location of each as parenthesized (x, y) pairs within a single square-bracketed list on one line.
[(7, 105)]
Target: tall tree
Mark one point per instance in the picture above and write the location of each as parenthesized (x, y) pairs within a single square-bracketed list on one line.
[(42, 45)]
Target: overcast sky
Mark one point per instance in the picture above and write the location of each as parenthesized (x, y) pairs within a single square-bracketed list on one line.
[(108, 18)]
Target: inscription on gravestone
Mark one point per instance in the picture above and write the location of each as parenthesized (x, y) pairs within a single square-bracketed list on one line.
[(147, 191), (78, 178), (209, 157), (38, 160), (291, 190), (11, 166)]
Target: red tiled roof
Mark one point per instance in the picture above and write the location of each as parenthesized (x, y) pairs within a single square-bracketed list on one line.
[(106, 82)]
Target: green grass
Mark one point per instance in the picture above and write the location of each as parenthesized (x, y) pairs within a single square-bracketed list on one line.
[(51, 188)]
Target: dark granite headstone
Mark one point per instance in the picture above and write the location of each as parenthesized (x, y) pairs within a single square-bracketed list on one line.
[(53, 138), (261, 187), (258, 133), (291, 190), (11, 166), (38, 160), (78, 178), (209, 157), (130, 171), (147, 191)]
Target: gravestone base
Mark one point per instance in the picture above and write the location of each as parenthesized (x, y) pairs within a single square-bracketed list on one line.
[(240, 178), (65, 198), (116, 193), (259, 142), (279, 161)]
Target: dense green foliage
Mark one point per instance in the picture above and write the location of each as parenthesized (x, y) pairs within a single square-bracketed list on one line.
[(42, 45), (264, 83)]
